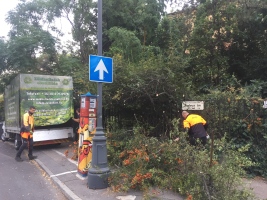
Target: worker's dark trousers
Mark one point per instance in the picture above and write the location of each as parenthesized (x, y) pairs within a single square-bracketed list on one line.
[(26, 143), (193, 141)]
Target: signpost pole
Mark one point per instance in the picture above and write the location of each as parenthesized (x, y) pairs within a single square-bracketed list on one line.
[(98, 172)]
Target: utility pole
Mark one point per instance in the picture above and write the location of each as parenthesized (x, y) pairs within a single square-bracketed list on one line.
[(99, 171)]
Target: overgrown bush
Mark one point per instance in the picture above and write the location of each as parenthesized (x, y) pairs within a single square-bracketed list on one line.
[(239, 114), (141, 162)]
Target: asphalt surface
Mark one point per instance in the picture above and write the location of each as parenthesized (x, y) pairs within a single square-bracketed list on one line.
[(24, 180)]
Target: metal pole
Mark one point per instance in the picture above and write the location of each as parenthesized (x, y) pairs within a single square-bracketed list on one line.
[(99, 27), (98, 172)]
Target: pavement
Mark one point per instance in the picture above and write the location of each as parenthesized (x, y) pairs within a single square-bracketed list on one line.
[(63, 172)]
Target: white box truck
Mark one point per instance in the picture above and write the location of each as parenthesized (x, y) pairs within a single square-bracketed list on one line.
[(52, 96)]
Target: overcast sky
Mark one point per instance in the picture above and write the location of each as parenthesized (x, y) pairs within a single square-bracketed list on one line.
[(5, 6)]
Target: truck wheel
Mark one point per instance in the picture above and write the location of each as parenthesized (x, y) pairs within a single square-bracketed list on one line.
[(17, 144)]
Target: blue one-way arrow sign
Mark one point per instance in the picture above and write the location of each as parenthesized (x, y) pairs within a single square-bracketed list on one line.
[(100, 69)]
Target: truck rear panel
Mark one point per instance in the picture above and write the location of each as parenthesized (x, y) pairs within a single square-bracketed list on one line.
[(52, 97)]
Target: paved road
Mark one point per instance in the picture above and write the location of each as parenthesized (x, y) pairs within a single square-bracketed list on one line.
[(24, 180)]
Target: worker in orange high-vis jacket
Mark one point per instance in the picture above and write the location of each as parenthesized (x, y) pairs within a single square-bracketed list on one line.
[(196, 128), (27, 135)]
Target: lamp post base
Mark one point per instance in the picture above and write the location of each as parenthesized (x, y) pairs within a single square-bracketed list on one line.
[(98, 181)]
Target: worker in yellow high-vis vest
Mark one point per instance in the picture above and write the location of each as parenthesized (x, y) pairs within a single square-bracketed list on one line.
[(196, 127), (27, 129)]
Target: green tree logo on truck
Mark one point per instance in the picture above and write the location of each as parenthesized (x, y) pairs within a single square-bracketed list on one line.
[(65, 82), (27, 80)]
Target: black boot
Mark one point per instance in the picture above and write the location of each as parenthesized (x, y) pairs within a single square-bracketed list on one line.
[(31, 157), (18, 159)]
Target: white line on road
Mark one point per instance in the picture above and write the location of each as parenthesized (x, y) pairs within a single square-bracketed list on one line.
[(72, 161), (60, 174), (66, 190), (63, 155)]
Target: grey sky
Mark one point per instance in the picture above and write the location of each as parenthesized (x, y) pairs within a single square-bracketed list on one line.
[(6, 5)]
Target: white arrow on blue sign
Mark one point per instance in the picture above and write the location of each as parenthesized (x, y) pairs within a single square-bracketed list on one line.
[(100, 69)]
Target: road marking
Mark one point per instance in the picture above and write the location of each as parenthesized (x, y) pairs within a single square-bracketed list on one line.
[(69, 193), (60, 174), (81, 177), (63, 155), (72, 161)]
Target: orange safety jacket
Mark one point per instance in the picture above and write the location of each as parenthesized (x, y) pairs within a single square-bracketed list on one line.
[(27, 121), (196, 124)]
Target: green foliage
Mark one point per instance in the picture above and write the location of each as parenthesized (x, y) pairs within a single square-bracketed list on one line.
[(239, 113), (148, 86), (125, 43), (140, 16), (211, 33), (28, 39), (248, 51), (3, 55), (84, 27), (163, 34), (143, 162)]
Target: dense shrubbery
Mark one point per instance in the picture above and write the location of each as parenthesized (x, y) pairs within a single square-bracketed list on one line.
[(239, 113), (236, 112), (141, 162)]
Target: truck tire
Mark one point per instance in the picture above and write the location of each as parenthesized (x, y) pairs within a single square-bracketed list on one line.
[(17, 143)]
